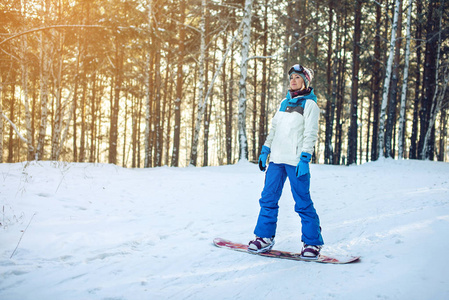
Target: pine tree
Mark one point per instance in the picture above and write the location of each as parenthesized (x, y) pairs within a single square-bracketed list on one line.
[(352, 135)]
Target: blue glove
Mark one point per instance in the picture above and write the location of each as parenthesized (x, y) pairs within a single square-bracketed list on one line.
[(303, 166), (263, 158)]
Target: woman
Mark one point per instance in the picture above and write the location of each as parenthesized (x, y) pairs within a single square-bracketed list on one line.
[(290, 144)]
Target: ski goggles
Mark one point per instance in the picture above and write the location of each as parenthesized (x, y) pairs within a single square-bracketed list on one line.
[(296, 68)]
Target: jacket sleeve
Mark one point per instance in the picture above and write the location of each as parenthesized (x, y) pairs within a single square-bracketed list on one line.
[(272, 132), (311, 117)]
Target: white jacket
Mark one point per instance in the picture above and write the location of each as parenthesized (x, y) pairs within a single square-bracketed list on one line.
[(294, 129)]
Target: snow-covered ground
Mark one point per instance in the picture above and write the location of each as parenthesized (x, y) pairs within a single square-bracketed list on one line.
[(97, 231)]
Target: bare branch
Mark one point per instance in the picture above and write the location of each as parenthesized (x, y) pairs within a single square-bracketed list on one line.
[(22, 236), (49, 27), (281, 53), (16, 130)]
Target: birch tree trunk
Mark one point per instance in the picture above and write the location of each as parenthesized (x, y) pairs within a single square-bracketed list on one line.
[(208, 100), (57, 79), (29, 135), (392, 106), (115, 102), (436, 107), (368, 131), (139, 125), (82, 147), (243, 143), (134, 112), (11, 120), (207, 107), (227, 110), (158, 104), (168, 127), (254, 113), (94, 108), (387, 81), (66, 124), (401, 131), (147, 158), (201, 98), (443, 135), (44, 74), (56, 135), (75, 99)]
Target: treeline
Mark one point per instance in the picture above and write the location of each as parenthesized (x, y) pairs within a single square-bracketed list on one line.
[(146, 83)]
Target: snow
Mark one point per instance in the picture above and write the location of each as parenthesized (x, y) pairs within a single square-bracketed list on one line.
[(98, 231)]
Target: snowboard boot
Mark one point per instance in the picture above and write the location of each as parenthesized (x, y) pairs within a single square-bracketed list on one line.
[(260, 245), (310, 251)]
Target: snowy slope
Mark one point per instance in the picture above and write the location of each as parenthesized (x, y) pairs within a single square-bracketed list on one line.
[(98, 231)]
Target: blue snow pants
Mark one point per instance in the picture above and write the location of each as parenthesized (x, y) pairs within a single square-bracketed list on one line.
[(274, 183)]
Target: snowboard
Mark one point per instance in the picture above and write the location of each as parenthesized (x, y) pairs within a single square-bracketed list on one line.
[(222, 243)]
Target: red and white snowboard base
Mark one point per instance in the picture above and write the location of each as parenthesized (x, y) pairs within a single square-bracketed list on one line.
[(222, 243)]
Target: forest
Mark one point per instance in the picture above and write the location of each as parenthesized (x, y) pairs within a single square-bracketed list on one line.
[(148, 83)]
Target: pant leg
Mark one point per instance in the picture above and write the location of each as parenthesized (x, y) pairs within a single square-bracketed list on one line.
[(269, 208), (311, 231)]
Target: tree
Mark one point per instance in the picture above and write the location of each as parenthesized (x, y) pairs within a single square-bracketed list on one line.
[(352, 135), (391, 119), (243, 142), (386, 88), (179, 85), (377, 76), (44, 77), (263, 98), (92, 80), (401, 133), (331, 92), (437, 100), (148, 90), (201, 98), (115, 101), (428, 105), (413, 153)]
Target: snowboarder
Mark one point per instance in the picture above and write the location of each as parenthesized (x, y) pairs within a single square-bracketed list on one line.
[(290, 144)]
